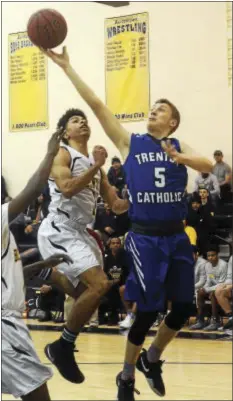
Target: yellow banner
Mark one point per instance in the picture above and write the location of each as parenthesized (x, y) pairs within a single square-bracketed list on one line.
[(127, 66), (28, 86)]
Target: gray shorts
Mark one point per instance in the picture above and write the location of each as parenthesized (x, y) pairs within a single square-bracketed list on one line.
[(22, 371)]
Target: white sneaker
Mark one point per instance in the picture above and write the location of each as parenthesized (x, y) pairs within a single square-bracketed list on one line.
[(127, 322)]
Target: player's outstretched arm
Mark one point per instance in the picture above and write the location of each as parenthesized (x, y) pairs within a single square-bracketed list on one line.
[(110, 124), (37, 182), (108, 193), (188, 157)]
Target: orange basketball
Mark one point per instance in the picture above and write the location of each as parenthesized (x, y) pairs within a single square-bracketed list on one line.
[(47, 28)]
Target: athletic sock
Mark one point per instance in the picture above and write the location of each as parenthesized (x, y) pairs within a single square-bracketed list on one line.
[(128, 371), (68, 337)]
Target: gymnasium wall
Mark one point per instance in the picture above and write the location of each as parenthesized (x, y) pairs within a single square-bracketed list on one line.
[(188, 65)]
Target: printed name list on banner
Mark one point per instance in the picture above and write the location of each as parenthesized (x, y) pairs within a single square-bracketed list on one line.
[(28, 86), (127, 66)]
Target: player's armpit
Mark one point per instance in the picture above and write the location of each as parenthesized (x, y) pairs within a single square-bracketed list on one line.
[(114, 130), (192, 159)]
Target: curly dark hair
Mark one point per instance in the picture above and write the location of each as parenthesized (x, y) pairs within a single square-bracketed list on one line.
[(65, 118)]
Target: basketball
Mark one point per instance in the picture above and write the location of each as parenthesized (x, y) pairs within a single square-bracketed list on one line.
[(47, 28)]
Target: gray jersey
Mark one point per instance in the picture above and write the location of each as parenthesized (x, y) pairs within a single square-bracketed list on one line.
[(13, 296), (82, 206), (200, 273), (215, 275)]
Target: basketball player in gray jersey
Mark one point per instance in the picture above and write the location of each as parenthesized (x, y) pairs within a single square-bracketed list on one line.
[(23, 375)]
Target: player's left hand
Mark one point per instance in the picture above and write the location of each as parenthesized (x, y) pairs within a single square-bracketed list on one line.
[(171, 151), (56, 259)]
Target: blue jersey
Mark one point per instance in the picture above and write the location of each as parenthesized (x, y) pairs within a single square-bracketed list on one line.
[(156, 184)]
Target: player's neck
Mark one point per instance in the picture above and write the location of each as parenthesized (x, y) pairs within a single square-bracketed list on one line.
[(81, 147), (159, 135)]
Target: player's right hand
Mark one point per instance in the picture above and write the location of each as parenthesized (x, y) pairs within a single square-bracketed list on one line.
[(100, 155), (54, 142)]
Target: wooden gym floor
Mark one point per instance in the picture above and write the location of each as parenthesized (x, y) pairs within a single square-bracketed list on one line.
[(196, 368)]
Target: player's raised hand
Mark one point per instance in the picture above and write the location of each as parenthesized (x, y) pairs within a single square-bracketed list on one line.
[(100, 155), (54, 142), (61, 59), (170, 150)]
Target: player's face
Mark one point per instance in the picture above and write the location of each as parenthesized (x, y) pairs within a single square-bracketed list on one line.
[(212, 257), (77, 128), (160, 119)]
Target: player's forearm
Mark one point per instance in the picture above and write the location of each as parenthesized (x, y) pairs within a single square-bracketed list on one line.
[(200, 164), (33, 269), (72, 186), (83, 89)]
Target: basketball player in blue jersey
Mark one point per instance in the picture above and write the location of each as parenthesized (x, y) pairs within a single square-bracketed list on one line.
[(159, 250)]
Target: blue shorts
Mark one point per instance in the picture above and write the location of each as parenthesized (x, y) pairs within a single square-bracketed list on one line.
[(161, 269)]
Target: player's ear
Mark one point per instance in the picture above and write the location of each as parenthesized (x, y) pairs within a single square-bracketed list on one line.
[(173, 123)]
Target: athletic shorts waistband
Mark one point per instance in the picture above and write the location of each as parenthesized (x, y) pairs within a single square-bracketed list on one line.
[(158, 229)]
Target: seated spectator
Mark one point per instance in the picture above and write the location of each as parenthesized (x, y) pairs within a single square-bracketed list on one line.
[(191, 233), (210, 182), (50, 298), (224, 174), (116, 175), (200, 271), (223, 294), (105, 222), (216, 272), (115, 267)]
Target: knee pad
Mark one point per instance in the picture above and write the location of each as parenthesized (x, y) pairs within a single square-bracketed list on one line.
[(141, 326), (179, 314)]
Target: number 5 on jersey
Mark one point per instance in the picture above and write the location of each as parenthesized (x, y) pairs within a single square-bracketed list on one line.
[(159, 177)]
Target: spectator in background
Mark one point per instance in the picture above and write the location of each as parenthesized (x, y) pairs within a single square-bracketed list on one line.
[(116, 268), (206, 226), (50, 299), (216, 273), (210, 182), (193, 217), (116, 175), (224, 174), (105, 223), (223, 294)]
